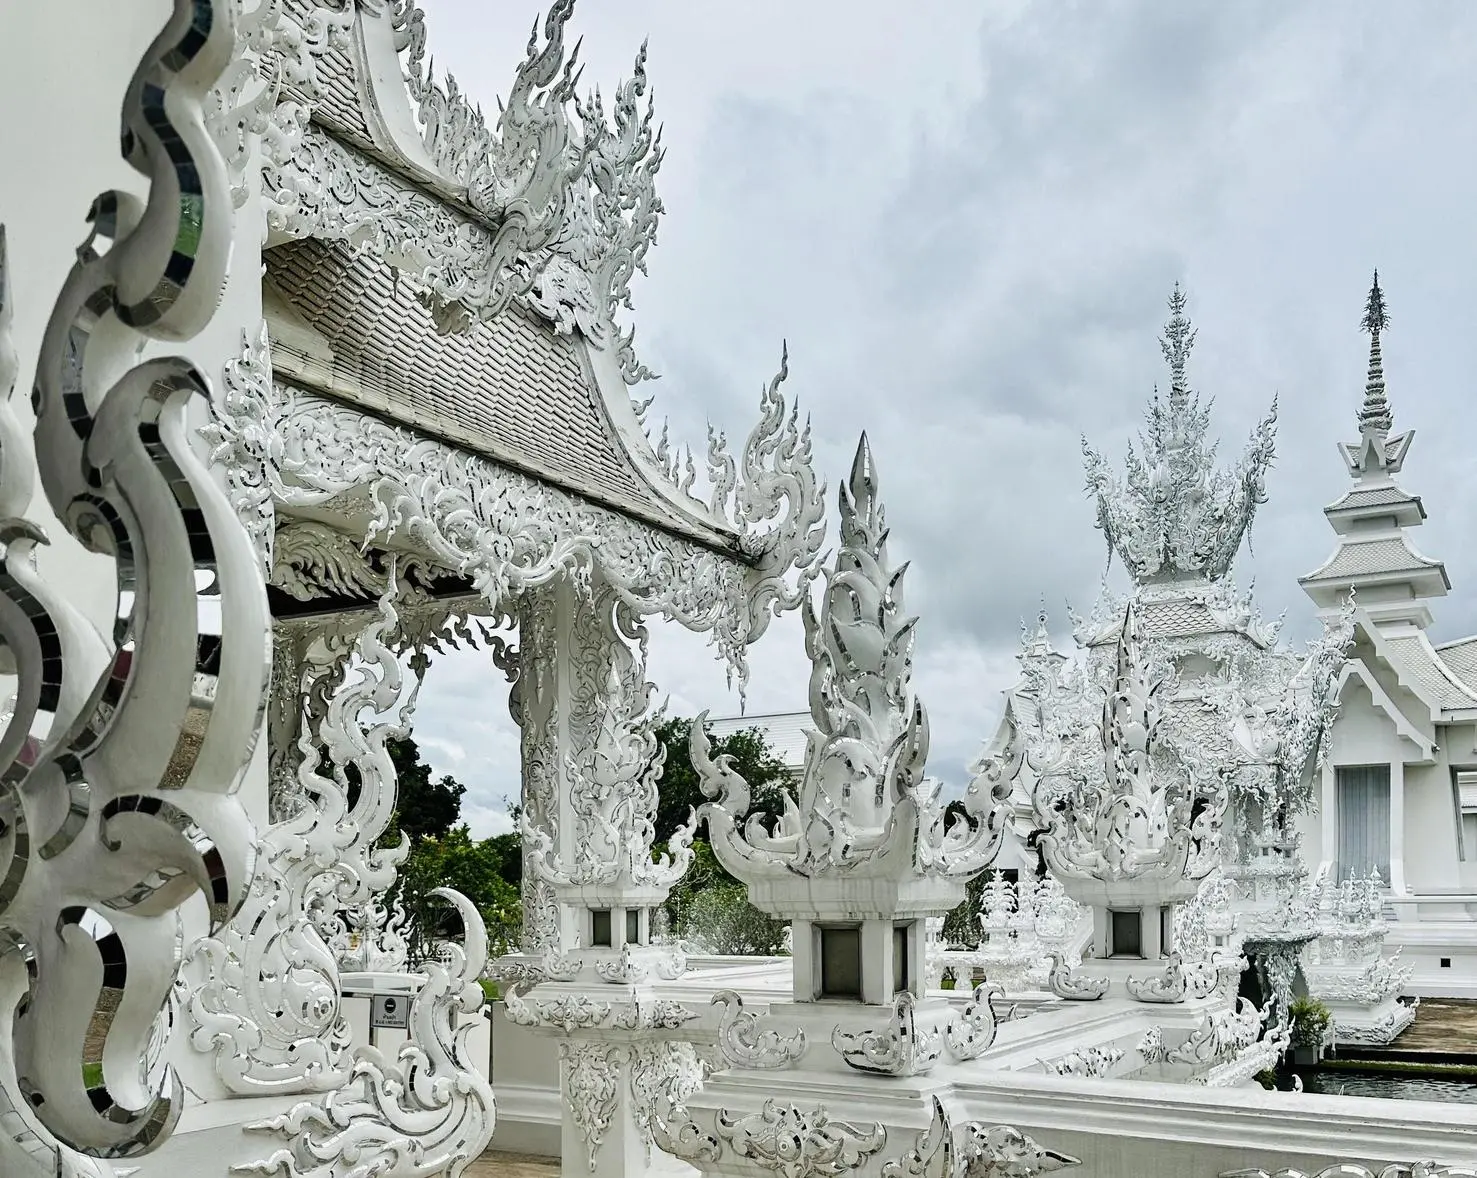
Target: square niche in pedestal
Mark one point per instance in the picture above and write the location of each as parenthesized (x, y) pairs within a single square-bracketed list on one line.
[(633, 926), (1125, 933), (840, 961), (600, 930)]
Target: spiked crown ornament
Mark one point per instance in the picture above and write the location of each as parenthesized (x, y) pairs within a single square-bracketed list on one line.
[(1175, 516)]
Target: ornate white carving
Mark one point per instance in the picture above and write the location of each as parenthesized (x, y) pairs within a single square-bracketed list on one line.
[(662, 1075), (123, 753), (425, 1111), (1220, 1035), (1175, 513), (1352, 1170), (562, 204), (568, 1012), (1067, 982), (507, 532), (974, 1150), (612, 779), (591, 1085), (1345, 966), (782, 1139), (972, 1032), (1142, 816), (746, 1042), (864, 808), (1095, 1063), (901, 1048), (240, 437), (1171, 985), (267, 1002)]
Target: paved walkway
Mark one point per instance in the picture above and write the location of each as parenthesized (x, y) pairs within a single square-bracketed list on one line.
[(511, 1165), (1443, 1026)]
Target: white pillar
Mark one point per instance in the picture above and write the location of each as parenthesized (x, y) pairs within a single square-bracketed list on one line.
[(1397, 828), (1328, 818)]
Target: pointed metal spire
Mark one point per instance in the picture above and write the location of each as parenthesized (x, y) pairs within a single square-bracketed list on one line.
[(1178, 339), (1374, 414)]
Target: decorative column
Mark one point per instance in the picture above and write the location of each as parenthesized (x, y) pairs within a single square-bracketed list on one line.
[(264, 995), (858, 863), (591, 885), (1397, 828), (128, 739), (1131, 831)]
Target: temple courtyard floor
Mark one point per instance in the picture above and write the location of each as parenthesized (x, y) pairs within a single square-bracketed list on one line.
[(511, 1165), (1443, 1026)]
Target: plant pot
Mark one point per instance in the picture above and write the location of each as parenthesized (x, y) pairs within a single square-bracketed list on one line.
[(1306, 1057)]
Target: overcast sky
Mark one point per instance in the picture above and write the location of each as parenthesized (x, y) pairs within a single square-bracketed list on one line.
[(966, 226)]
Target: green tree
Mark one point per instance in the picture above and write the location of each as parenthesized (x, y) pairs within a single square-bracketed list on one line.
[(423, 808), (443, 854), (709, 907), (679, 791), (473, 868)]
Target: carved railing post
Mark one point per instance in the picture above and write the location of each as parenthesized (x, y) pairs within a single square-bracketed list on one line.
[(591, 886), (127, 742)]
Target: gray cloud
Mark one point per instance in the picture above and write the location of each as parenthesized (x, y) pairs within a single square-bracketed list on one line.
[(967, 232)]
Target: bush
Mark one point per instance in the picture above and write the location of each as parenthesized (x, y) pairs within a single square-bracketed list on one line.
[(711, 910), (1310, 1022)]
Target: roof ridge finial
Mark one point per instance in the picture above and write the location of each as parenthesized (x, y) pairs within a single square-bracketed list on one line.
[(1178, 339), (1375, 413)]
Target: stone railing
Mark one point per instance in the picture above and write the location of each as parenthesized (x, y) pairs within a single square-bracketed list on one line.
[(1022, 924), (1346, 967)]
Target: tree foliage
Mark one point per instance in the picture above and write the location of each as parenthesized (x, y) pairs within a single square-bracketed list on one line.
[(679, 791), (709, 907), (443, 854)]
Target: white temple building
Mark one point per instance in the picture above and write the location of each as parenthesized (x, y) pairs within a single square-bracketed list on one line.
[(1398, 795), (314, 371)]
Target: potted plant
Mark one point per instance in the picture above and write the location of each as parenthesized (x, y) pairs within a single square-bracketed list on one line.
[(1310, 1022)]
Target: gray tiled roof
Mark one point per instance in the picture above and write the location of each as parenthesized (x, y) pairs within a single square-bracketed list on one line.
[(1460, 658), (511, 389), (337, 106), (1387, 495), (1424, 666), (785, 733), (1364, 558)]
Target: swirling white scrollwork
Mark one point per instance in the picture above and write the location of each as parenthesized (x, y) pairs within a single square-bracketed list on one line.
[(1095, 1063), (568, 1012), (426, 1111), (746, 1042), (799, 1144), (974, 1150), (901, 1048), (508, 533), (268, 1004), (1067, 982), (1352, 1170), (663, 1074), (240, 442), (1170, 985), (128, 806), (592, 1086), (972, 1031)]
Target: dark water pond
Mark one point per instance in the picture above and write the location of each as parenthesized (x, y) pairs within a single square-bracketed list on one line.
[(1338, 1083)]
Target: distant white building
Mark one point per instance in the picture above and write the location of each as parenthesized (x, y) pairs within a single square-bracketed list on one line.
[(784, 732), (1399, 790)]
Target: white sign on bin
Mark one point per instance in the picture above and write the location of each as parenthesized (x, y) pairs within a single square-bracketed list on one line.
[(389, 1011)]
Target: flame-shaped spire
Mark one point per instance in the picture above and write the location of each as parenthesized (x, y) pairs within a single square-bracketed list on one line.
[(1374, 414), (862, 808), (1175, 515), (1176, 344)]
